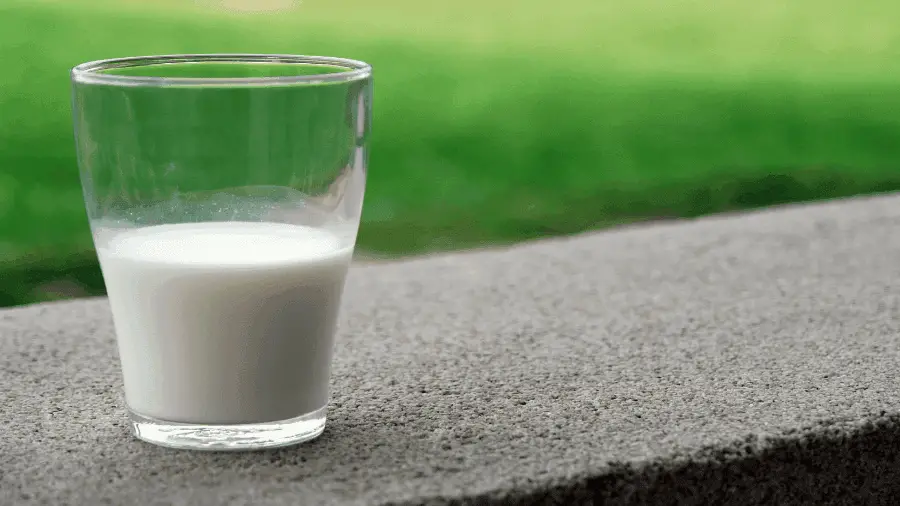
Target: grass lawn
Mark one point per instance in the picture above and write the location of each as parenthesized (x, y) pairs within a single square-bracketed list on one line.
[(494, 121)]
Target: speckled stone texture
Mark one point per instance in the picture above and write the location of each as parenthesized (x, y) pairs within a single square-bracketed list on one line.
[(744, 359)]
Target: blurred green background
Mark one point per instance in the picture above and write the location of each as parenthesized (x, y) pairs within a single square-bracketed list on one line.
[(494, 121)]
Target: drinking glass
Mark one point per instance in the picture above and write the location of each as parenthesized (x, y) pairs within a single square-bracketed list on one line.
[(224, 194)]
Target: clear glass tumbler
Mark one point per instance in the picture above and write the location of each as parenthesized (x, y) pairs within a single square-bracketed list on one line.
[(224, 194)]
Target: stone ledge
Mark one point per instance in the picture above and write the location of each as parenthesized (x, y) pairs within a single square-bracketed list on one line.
[(747, 359)]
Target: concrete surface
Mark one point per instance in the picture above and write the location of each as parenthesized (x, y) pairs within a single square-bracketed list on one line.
[(734, 360)]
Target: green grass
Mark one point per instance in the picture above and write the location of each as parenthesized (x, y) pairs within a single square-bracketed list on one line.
[(498, 121)]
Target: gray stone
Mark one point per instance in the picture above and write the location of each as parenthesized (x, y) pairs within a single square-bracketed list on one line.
[(746, 359)]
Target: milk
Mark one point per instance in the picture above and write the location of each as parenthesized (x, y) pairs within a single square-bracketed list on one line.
[(225, 323)]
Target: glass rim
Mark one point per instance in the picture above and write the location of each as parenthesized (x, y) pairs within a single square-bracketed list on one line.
[(92, 72)]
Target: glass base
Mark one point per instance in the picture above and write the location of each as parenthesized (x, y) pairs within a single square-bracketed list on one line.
[(244, 437)]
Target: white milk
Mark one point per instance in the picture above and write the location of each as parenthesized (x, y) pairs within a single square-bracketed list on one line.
[(225, 323)]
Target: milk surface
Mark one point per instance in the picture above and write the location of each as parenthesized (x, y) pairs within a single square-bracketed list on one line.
[(225, 322)]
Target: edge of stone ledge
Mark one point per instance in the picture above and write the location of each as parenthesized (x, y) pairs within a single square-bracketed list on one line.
[(366, 258), (31, 306), (815, 464)]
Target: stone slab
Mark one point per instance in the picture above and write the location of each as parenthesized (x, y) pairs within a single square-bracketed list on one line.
[(747, 359)]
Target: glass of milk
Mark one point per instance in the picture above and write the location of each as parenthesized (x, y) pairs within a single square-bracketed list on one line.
[(224, 194)]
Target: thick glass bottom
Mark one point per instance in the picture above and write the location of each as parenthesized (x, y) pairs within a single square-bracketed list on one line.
[(244, 437)]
